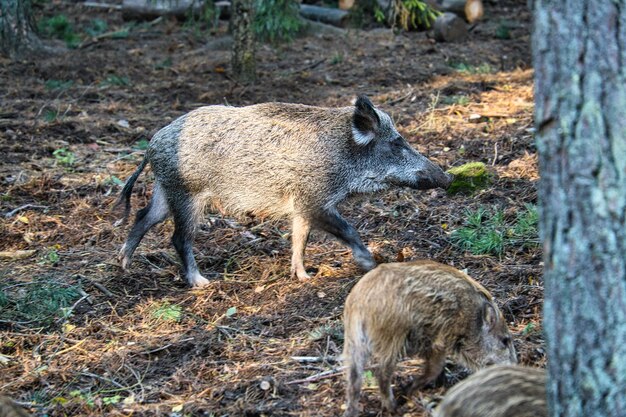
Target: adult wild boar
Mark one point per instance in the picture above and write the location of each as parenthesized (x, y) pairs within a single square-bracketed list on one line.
[(274, 159)]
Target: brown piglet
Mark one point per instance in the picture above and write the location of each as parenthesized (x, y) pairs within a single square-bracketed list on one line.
[(422, 309), (498, 391)]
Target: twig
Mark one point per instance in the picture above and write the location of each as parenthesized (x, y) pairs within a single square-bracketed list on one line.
[(495, 154), (110, 381), (103, 289), (322, 375), (399, 99), (169, 345), (102, 5), (71, 309), (313, 359), (25, 206), (68, 349)]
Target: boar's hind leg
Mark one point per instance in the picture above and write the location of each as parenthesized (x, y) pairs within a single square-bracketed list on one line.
[(332, 222), (383, 375), (184, 225), (299, 237), (355, 358), (155, 212)]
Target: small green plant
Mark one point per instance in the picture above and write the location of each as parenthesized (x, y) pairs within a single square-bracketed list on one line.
[(55, 85), (503, 32), (115, 80), (277, 21), (52, 256), (207, 17), (167, 312), (59, 27), (87, 398), (461, 100), (50, 115), (96, 27), (141, 144), (337, 58), (466, 68), (111, 400), (379, 15), (64, 157), (37, 303), (487, 232), (414, 14), (369, 380), (166, 63)]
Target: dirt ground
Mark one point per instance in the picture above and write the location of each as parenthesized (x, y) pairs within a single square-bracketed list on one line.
[(141, 342)]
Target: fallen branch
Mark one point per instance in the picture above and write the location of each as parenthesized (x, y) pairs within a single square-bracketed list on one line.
[(25, 206), (17, 254), (322, 375), (335, 17), (313, 359)]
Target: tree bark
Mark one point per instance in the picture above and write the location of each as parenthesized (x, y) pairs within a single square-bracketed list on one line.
[(16, 31), (579, 49), (243, 61)]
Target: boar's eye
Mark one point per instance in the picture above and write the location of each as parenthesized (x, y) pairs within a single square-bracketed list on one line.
[(397, 143), (506, 341)]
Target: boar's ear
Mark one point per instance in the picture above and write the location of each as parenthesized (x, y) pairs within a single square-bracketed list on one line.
[(490, 315), (365, 121)]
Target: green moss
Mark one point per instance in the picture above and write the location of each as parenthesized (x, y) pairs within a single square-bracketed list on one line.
[(469, 178)]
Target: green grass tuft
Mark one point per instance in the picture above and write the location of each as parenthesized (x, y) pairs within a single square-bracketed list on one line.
[(487, 232), (38, 303), (167, 312)]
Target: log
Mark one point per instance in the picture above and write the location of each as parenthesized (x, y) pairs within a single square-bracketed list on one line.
[(449, 28), (151, 9), (327, 15)]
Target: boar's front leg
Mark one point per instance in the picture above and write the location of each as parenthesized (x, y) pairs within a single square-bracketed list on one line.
[(331, 222), (299, 237)]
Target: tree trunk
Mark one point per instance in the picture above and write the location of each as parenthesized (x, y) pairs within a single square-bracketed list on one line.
[(243, 61), (579, 49), (16, 32)]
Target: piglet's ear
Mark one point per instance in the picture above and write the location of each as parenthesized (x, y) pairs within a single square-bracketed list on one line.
[(365, 121), (490, 315)]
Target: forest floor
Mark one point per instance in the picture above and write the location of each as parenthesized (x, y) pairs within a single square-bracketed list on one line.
[(79, 336)]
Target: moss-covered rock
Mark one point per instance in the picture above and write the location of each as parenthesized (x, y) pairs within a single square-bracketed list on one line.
[(469, 178)]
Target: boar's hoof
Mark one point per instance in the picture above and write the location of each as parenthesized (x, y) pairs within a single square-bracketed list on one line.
[(301, 275), (197, 280), (123, 259), (365, 263)]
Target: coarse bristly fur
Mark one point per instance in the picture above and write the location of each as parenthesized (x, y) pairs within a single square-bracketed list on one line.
[(423, 309), (274, 160), (498, 391)]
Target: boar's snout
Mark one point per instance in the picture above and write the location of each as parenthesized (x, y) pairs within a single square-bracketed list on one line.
[(434, 177)]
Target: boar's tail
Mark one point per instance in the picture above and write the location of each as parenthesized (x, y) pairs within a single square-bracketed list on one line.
[(128, 189)]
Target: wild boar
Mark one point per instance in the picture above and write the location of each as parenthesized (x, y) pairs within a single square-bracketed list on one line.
[(423, 309), (498, 391), (275, 160)]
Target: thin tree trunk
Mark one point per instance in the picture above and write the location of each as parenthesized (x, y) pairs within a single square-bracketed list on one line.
[(243, 60), (579, 49), (16, 32)]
